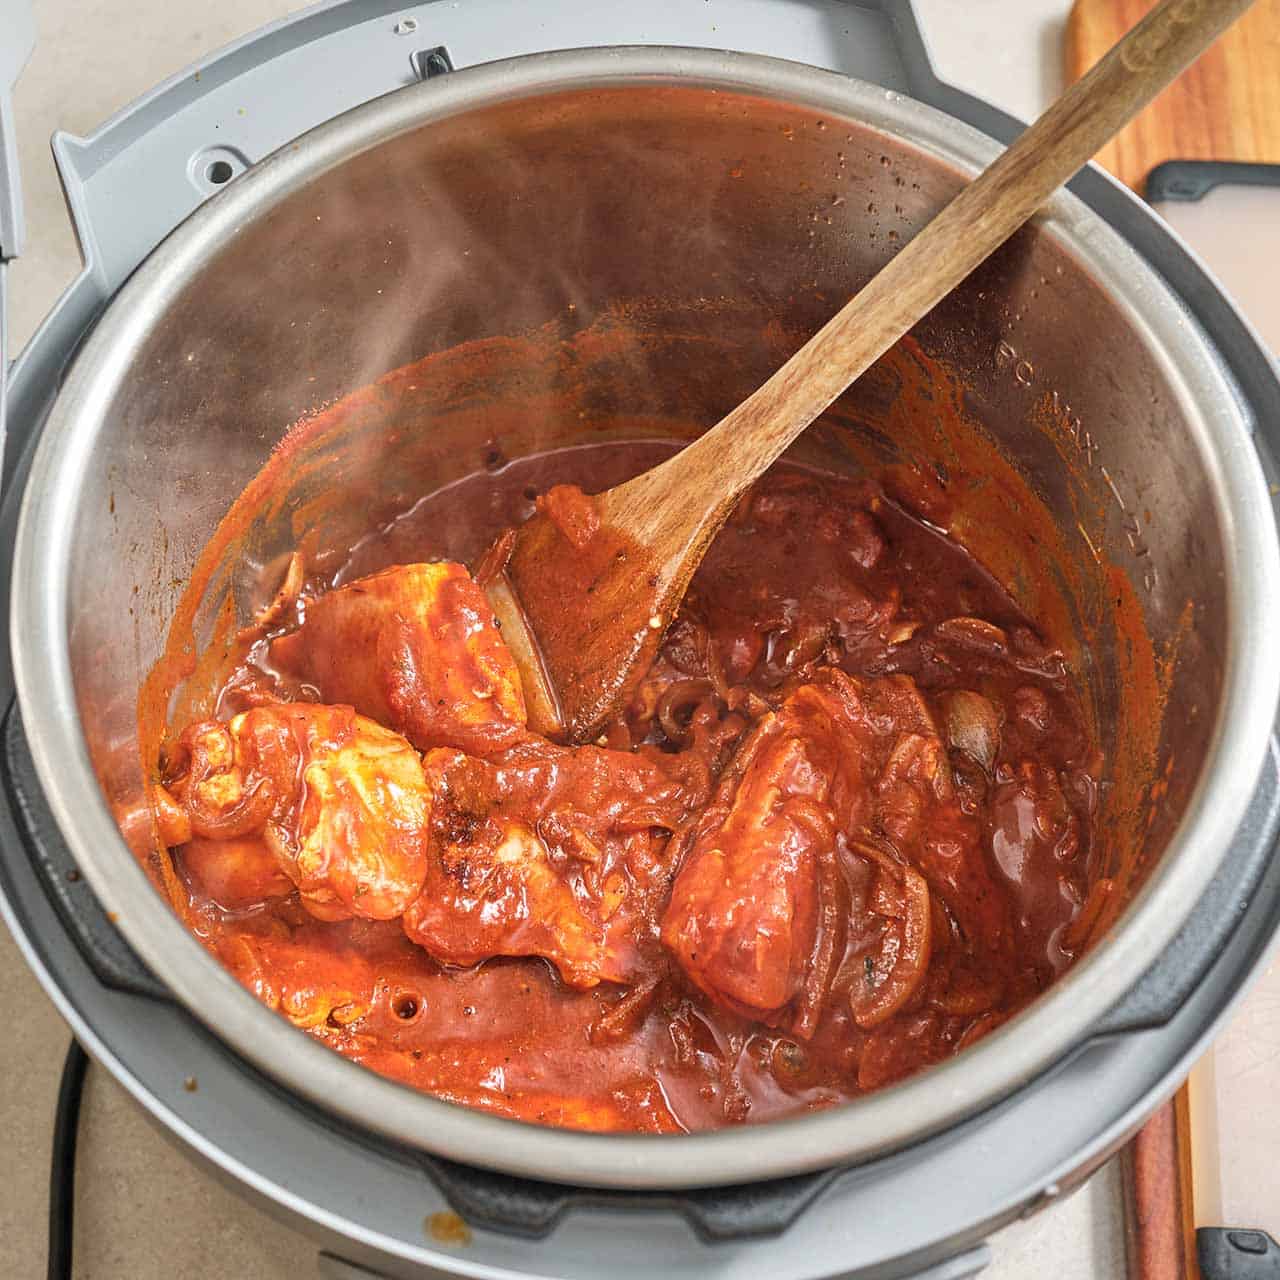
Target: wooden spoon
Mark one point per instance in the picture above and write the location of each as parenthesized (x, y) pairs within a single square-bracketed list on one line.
[(586, 594)]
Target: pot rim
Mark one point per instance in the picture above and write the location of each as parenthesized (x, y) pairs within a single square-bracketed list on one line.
[(1058, 1021)]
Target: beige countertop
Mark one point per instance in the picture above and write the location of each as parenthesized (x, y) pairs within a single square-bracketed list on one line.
[(143, 1212)]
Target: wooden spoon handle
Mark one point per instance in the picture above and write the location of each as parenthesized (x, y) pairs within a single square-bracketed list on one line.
[(593, 643), (716, 468)]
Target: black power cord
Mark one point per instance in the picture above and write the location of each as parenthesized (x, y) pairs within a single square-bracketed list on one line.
[(62, 1169)]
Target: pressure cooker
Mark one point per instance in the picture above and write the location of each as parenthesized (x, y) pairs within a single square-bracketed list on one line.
[(359, 185)]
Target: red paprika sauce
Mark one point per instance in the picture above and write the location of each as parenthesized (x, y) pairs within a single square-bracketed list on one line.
[(844, 829)]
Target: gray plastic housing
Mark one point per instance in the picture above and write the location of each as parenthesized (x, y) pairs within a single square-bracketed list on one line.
[(17, 39), (133, 180)]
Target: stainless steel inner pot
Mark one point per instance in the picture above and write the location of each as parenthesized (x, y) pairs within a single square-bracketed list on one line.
[(710, 209)]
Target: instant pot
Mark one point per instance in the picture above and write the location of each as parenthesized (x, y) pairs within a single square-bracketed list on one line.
[(657, 205)]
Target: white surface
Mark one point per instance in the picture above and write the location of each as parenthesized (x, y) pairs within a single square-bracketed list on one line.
[(1236, 230), (1235, 1119), (142, 1212)]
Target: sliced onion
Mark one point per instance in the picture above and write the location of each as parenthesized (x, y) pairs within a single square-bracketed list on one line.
[(973, 725), (896, 974), (968, 996), (974, 633), (343, 1015), (801, 646), (901, 632), (884, 858), (917, 759), (984, 1025), (623, 1017), (286, 595), (306, 1008), (1083, 927), (787, 1059), (823, 961), (681, 695)]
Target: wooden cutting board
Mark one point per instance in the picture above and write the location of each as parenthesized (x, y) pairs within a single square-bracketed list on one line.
[(1226, 107)]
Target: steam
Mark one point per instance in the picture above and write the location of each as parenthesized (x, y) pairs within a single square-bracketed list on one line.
[(581, 266)]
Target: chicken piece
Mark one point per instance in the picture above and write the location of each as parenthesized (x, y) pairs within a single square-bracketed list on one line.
[(894, 969), (234, 874), (549, 852), (744, 908), (497, 894), (915, 775), (743, 913), (751, 917), (413, 647), (340, 804)]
